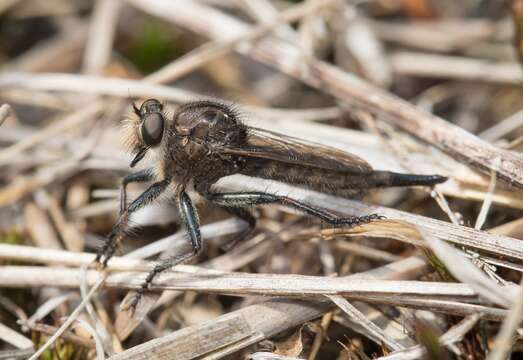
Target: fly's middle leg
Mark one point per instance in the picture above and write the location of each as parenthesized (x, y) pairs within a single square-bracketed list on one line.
[(192, 225)]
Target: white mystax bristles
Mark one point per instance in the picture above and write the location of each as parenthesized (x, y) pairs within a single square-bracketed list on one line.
[(131, 139)]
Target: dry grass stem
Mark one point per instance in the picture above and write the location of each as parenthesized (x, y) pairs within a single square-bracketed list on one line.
[(356, 316), (101, 36), (299, 286), (438, 66)]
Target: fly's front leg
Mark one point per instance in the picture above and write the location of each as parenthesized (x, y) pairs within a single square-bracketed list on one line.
[(118, 231), (192, 225), (260, 198), (139, 176)]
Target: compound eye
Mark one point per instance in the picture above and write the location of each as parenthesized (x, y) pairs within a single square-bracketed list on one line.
[(214, 116), (150, 106), (152, 129)]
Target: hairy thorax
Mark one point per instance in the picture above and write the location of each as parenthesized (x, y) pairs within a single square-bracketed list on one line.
[(194, 150)]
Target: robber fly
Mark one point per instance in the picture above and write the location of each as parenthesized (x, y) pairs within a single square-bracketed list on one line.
[(205, 140)]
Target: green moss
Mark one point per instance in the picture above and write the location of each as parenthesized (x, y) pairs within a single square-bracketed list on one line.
[(62, 350), (153, 47), (11, 238)]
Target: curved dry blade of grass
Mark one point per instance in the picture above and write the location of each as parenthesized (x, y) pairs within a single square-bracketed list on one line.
[(390, 229), (94, 334), (14, 338), (401, 231), (16, 354), (68, 335), (453, 335), (50, 305), (456, 262), (470, 238)]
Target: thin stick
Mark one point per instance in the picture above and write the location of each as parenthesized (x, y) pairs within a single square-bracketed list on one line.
[(355, 315), (49, 330), (90, 84), (454, 67), (101, 35), (505, 337), (438, 35), (504, 127), (74, 120), (70, 320), (5, 111), (487, 203)]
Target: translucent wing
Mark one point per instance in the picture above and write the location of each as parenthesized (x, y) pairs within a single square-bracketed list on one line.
[(269, 145)]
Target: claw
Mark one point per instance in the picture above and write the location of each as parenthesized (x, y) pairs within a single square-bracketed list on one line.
[(131, 305), (99, 266)]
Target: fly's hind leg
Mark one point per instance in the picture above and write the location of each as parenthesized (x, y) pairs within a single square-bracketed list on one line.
[(192, 224), (261, 198)]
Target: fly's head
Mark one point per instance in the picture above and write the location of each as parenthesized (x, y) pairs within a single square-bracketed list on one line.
[(146, 130)]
